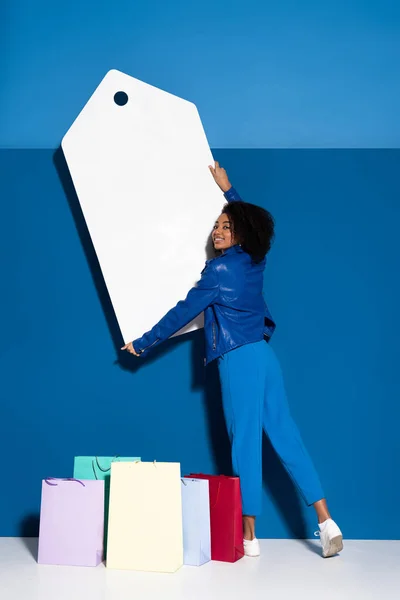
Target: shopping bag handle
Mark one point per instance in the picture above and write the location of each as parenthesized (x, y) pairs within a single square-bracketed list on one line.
[(48, 479), (101, 468), (96, 458)]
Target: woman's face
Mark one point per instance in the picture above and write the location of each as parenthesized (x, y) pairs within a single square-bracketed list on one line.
[(222, 234)]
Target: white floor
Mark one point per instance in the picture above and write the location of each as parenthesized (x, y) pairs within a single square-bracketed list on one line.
[(287, 569)]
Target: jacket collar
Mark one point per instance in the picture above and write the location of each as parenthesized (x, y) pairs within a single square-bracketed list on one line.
[(236, 248)]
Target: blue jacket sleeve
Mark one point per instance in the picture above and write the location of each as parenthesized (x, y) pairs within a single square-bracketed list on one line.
[(232, 195), (202, 295)]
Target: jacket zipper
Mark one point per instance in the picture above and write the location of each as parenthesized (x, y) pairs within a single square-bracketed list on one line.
[(147, 347), (214, 337)]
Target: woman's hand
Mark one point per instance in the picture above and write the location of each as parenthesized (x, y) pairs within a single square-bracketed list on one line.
[(129, 347), (220, 177)]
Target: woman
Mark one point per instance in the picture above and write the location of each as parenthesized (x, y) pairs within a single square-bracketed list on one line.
[(237, 323)]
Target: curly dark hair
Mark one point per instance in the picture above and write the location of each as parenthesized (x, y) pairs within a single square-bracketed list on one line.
[(253, 228)]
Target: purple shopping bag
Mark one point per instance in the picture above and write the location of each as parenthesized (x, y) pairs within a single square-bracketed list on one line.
[(71, 522)]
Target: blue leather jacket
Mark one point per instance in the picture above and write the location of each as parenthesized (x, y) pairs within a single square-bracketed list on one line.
[(230, 292)]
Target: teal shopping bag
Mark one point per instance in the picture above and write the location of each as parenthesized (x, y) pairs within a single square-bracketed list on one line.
[(99, 467)]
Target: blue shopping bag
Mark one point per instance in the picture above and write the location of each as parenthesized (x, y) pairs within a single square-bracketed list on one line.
[(196, 521)]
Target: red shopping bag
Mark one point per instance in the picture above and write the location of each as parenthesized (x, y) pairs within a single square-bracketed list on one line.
[(225, 517)]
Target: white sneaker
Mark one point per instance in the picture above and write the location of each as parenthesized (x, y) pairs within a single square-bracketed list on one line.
[(331, 538), (251, 547)]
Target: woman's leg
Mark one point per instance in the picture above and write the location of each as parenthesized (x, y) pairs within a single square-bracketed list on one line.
[(285, 437), (242, 384), (288, 444), (249, 527), (321, 508)]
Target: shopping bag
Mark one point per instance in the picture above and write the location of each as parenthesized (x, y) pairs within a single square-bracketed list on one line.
[(145, 517), (99, 467), (225, 517), (196, 521), (71, 522)]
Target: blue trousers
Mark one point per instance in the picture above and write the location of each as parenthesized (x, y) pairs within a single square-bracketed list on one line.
[(254, 399)]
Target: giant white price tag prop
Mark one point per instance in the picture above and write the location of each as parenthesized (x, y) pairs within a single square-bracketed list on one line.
[(138, 157)]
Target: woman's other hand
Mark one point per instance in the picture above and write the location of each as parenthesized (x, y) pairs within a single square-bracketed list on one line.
[(129, 347), (220, 177)]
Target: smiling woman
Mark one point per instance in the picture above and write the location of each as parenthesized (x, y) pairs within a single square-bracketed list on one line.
[(237, 325)]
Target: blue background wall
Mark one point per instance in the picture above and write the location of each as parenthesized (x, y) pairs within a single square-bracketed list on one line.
[(263, 78), (263, 73)]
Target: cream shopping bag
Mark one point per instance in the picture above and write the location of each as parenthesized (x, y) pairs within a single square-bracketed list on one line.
[(145, 517)]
